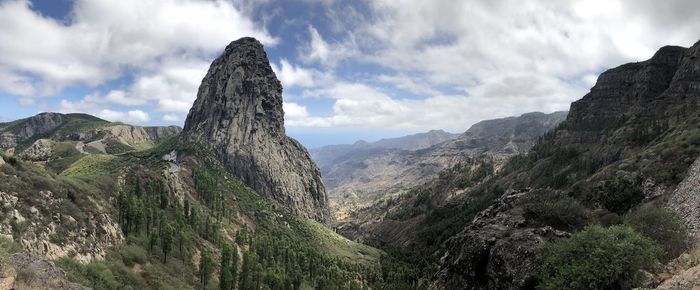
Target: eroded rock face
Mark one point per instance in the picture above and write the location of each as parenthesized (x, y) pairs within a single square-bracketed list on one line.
[(54, 235), (685, 200), (34, 272), (36, 125), (42, 149), (496, 251), (39, 124), (238, 115), (621, 89)]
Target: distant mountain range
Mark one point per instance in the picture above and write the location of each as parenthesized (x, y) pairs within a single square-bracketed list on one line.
[(364, 170)]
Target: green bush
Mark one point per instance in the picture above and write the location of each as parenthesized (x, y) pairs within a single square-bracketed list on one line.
[(597, 258), (557, 210), (11, 160), (7, 247), (606, 218), (618, 194), (662, 226)]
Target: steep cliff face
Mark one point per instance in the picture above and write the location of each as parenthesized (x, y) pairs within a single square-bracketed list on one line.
[(19, 131), (621, 90), (238, 115), (631, 140)]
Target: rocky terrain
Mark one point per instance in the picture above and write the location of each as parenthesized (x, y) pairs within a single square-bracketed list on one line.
[(606, 195), (367, 172), (238, 115), (36, 137), (87, 202), (630, 141)]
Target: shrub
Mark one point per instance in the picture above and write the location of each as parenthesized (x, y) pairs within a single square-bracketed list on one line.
[(132, 254), (662, 226), (607, 218), (11, 160), (618, 194), (7, 247), (557, 210), (597, 258)]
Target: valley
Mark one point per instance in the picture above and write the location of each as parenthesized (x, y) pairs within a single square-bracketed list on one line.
[(603, 196)]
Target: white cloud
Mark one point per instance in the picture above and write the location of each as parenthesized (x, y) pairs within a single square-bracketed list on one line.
[(294, 111), (362, 106), (105, 38), (118, 97), (494, 58), (404, 82), (291, 75), (322, 52), (133, 116), (171, 118), (88, 106)]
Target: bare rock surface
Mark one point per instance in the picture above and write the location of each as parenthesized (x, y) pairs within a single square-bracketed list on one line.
[(685, 200), (496, 250), (34, 272), (42, 149), (238, 115)]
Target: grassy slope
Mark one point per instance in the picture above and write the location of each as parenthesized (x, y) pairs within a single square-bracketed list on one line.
[(133, 264)]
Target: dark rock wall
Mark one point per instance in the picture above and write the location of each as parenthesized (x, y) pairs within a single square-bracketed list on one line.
[(238, 114)]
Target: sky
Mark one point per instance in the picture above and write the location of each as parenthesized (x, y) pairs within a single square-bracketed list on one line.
[(364, 69)]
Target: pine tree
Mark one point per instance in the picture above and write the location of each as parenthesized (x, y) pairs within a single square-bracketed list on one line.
[(245, 272), (225, 278), (167, 241), (206, 265), (152, 241), (163, 198), (183, 240)]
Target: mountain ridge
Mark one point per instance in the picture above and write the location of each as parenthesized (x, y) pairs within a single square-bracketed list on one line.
[(372, 171)]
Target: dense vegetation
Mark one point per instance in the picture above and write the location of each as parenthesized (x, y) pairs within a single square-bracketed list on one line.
[(598, 258), (214, 233)]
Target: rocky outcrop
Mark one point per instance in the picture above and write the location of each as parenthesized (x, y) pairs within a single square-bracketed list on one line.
[(238, 115), (685, 199), (159, 133), (7, 140), (135, 136), (39, 124), (42, 149), (22, 130), (28, 271), (54, 235), (496, 251), (621, 90)]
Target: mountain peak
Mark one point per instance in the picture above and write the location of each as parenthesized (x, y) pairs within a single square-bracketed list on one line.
[(238, 115)]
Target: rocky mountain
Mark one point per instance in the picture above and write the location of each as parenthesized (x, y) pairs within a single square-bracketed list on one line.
[(37, 135), (626, 144), (238, 115), (369, 170), (85, 202), (329, 155), (605, 199)]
